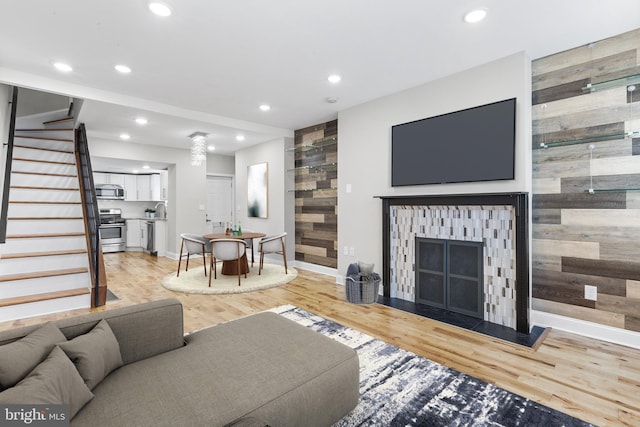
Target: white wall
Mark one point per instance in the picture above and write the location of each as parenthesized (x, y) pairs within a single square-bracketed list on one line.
[(220, 164), (187, 184), (364, 149), (280, 202)]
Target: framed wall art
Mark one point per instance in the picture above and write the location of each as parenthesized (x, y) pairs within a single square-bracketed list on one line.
[(257, 190)]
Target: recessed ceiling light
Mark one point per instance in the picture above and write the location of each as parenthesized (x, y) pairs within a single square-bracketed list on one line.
[(122, 69), (61, 66), (211, 148), (141, 121), (475, 16), (125, 136), (239, 137), (159, 8), (145, 166), (334, 78), (265, 107)]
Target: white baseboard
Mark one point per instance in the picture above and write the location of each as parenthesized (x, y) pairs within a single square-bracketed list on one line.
[(321, 269), (587, 329), (172, 255)]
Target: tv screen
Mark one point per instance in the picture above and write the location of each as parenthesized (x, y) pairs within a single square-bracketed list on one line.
[(476, 144)]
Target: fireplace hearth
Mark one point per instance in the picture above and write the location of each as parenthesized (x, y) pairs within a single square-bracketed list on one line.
[(498, 223)]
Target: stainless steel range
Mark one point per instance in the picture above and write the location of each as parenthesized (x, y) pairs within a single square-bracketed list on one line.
[(113, 230)]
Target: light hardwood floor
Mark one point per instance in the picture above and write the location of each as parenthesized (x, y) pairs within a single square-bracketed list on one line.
[(589, 379)]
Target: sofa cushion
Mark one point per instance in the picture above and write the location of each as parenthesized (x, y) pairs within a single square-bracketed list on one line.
[(19, 358), (54, 381), (95, 353), (262, 366)]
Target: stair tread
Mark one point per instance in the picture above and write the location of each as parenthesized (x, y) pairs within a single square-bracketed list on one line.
[(30, 187), (43, 218), (44, 130), (23, 159), (66, 175), (63, 119), (35, 202), (42, 149), (42, 274), (42, 138), (42, 254), (40, 236), (43, 297)]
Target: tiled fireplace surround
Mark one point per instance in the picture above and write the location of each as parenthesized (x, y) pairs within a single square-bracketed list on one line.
[(500, 221)]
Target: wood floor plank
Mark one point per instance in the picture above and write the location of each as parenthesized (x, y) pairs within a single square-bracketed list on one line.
[(586, 378)]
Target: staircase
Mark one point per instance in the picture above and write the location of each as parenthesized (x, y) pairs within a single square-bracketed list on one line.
[(44, 264)]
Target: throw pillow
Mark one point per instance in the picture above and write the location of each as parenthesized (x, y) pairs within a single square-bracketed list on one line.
[(95, 353), (19, 358), (353, 270), (365, 269), (55, 380)]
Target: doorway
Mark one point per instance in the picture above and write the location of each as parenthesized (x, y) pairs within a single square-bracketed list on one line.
[(219, 202)]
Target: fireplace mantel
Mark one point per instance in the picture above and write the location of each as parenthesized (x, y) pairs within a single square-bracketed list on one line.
[(520, 204)]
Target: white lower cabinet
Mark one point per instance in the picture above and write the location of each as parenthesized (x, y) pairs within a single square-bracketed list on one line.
[(134, 234)]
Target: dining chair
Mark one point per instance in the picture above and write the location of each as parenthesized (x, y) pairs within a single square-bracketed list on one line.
[(227, 250), (272, 245), (249, 245), (194, 244)]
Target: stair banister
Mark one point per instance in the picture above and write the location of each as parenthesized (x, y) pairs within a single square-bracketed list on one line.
[(91, 214), (4, 207)]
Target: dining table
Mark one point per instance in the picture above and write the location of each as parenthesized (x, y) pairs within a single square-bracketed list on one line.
[(231, 267)]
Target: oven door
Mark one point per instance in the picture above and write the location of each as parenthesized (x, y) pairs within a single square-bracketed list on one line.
[(113, 237)]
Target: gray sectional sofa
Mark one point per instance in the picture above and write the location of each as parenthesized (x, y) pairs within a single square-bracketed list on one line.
[(255, 371)]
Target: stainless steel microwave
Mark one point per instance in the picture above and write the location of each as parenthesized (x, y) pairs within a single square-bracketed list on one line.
[(110, 191)]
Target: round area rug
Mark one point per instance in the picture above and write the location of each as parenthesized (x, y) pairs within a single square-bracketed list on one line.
[(195, 282)]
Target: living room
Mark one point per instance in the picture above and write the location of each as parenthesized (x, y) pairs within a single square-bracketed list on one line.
[(364, 169)]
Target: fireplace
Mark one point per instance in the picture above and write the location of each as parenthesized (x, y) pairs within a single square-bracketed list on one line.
[(496, 223), (449, 275)]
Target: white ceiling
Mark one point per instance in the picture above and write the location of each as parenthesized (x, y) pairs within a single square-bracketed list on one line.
[(210, 64)]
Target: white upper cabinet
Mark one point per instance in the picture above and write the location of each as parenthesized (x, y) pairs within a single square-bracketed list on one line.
[(137, 188)]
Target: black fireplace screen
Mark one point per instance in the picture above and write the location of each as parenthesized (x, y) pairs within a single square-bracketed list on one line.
[(449, 275)]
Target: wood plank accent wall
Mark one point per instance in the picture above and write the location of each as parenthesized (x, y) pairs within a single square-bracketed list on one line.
[(581, 238), (316, 199)]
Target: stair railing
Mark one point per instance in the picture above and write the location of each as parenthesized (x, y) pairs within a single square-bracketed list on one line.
[(91, 214), (4, 207)]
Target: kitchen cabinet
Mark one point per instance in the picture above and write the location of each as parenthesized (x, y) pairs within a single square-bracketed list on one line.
[(155, 187), (130, 188), (108, 178), (164, 186), (144, 187), (116, 178), (100, 178), (134, 234), (137, 188)]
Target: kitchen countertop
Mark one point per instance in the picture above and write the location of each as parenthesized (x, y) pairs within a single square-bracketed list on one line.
[(144, 218)]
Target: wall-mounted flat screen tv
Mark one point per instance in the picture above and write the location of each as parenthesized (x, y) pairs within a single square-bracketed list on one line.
[(476, 144)]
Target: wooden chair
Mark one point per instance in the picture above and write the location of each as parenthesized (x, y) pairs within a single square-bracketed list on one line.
[(272, 245), (227, 250), (195, 245)]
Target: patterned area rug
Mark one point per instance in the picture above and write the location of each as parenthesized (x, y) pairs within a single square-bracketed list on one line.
[(399, 388), (195, 282)]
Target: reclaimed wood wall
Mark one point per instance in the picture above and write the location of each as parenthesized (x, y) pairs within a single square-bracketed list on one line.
[(581, 238), (316, 194)]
